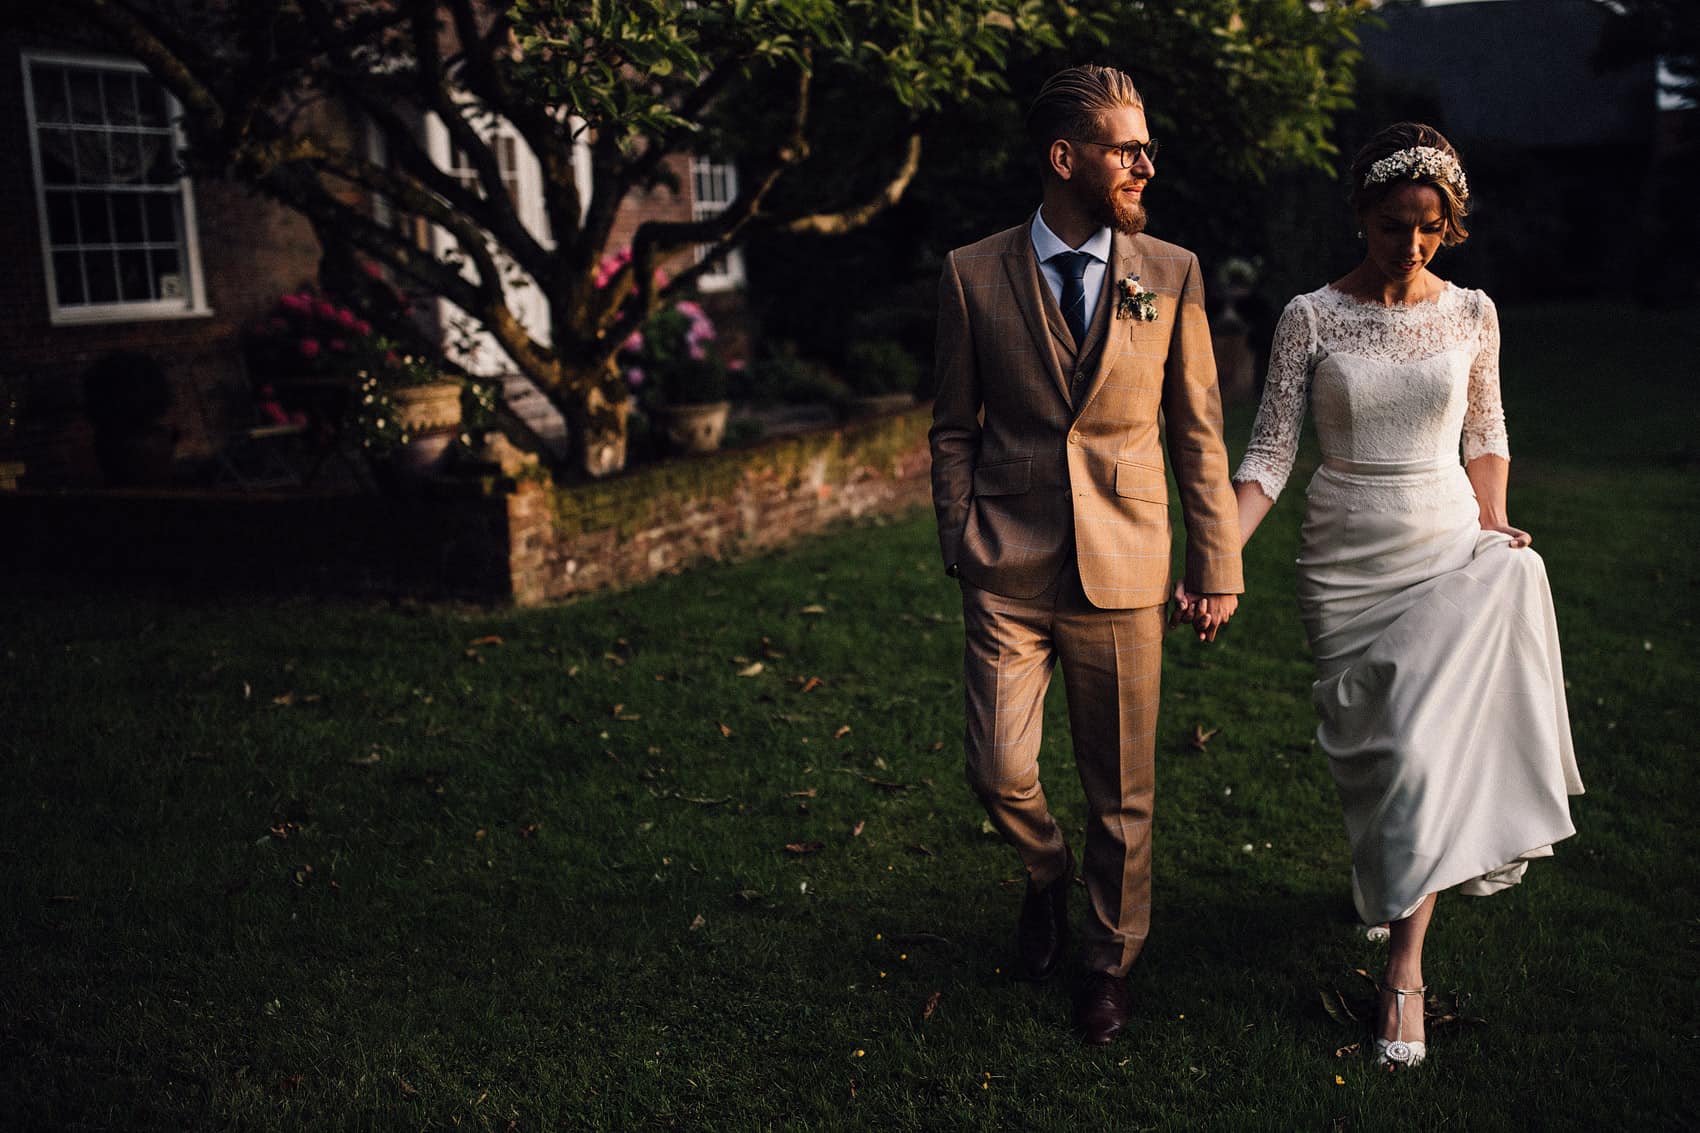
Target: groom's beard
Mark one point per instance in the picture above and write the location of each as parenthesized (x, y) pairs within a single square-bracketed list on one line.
[(1113, 210)]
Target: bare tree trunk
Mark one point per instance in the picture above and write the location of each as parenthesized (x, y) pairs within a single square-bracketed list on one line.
[(596, 431)]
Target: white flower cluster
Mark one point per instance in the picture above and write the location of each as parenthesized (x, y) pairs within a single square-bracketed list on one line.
[(1419, 162)]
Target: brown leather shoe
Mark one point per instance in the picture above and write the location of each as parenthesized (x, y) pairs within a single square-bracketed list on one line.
[(1041, 935), (1101, 1012)]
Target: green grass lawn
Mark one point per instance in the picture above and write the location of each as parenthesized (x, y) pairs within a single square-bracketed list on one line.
[(699, 855)]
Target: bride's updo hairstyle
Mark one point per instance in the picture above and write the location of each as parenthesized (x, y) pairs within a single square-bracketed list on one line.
[(1406, 153)]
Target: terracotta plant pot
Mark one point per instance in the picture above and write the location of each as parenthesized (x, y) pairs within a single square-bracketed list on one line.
[(431, 416)]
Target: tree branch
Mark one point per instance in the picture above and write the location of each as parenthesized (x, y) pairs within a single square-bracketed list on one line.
[(836, 223)]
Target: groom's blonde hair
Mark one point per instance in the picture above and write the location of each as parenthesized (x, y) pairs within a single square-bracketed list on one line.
[(1071, 102)]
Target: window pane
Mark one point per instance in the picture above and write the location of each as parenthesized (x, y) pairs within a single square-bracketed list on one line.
[(127, 218), (49, 86), (103, 277), (150, 102), (93, 166), (168, 280), (58, 158), (160, 210), (160, 154), (121, 99), (91, 216), (68, 279), (130, 154), (135, 281), (85, 97), (61, 218)]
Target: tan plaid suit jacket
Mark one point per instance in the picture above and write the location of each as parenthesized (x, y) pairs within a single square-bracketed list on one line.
[(1020, 469)]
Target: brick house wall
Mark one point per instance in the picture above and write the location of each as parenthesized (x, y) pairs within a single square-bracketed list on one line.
[(251, 251)]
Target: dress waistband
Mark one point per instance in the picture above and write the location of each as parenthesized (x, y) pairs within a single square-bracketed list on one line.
[(1388, 467)]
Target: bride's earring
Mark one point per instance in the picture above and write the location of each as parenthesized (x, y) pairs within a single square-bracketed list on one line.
[(1360, 234)]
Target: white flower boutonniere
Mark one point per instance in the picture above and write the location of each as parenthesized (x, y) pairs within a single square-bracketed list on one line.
[(1134, 301)]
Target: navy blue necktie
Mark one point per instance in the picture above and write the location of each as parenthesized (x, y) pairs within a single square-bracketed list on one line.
[(1072, 266)]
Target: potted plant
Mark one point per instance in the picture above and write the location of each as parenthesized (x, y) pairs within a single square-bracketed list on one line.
[(673, 364), (408, 412), (126, 397), (881, 374)]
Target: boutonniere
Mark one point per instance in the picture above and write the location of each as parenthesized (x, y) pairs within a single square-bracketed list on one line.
[(1134, 301)]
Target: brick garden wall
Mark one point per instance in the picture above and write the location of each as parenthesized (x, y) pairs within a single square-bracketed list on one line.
[(485, 539), (567, 541)]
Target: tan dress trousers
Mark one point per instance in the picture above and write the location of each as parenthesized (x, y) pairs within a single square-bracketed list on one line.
[(1112, 667)]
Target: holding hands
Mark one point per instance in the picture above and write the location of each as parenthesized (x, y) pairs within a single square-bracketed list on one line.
[(1206, 613)]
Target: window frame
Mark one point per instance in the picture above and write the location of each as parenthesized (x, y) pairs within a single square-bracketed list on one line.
[(728, 275), (193, 304)]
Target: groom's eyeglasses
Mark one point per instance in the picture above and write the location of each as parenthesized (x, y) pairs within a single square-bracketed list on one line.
[(1130, 152)]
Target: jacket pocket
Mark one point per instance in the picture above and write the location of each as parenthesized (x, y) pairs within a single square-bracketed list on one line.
[(1139, 481), (1005, 478)]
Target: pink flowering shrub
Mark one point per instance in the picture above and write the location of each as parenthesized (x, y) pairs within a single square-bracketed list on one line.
[(310, 335), (674, 357)]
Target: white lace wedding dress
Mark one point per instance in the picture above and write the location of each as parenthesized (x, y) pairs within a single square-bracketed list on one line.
[(1439, 684)]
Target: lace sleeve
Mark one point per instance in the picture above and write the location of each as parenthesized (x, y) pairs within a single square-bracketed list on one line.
[(1484, 415), (1275, 434)]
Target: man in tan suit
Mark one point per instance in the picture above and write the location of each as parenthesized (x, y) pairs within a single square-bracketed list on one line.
[(1061, 343)]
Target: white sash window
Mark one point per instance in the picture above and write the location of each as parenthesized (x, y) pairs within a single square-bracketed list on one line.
[(116, 211)]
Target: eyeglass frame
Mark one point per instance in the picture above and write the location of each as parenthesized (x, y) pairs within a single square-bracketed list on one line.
[(1147, 148)]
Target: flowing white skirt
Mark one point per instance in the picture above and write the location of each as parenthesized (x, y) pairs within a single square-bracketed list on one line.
[(1439, 684)]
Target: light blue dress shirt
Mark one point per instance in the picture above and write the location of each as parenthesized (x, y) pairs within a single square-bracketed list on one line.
[(1047, 244)]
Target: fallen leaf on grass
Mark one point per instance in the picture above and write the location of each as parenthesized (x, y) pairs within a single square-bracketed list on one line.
[(1335, 1004), (874, 780), (856, 830), (911, 939), (753, 669), (930, 1006), (1200, 737), (697, 922), (724, 730), (619, 713), (804, 847), (918, 848), (487, 639), (813, 608), (700, 801), (371, 757), (1347, 1050), (744, 898), (529, 830), (407, 1090), (843, 730), (811, 684), (805, 793)]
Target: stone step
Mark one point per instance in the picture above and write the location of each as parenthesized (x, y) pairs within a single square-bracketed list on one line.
[(533, 406)]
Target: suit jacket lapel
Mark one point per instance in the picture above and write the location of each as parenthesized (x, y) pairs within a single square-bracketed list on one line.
[(1124, 261), (1040, 311)]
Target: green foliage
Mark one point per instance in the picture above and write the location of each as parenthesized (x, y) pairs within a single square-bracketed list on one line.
[(880, 365), (630, 68), (1245, 95), (779, 374), (677, 362)]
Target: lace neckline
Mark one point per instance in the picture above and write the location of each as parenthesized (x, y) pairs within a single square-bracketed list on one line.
[(1345, 300)]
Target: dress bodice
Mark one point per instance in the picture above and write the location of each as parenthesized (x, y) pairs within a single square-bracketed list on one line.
[(1391, 388)]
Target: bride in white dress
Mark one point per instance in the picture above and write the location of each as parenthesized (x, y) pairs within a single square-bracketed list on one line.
[(1439, 685)]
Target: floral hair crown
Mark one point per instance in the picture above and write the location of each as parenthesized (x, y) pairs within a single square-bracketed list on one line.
[(1416, 163)]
